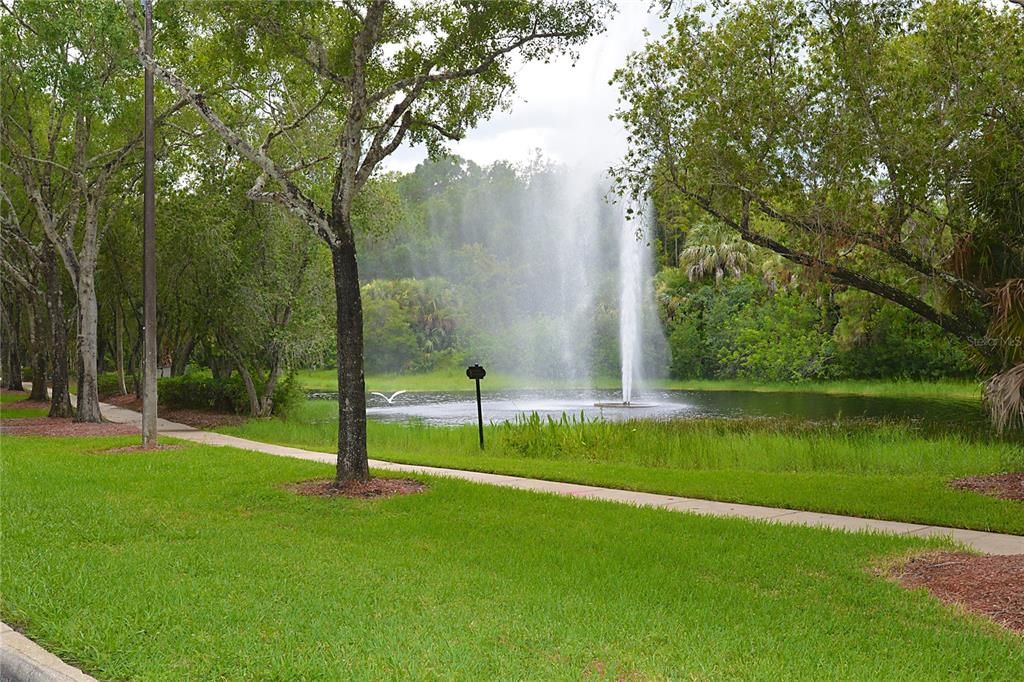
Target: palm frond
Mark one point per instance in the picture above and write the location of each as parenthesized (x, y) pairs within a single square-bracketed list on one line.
[(1004, 397)]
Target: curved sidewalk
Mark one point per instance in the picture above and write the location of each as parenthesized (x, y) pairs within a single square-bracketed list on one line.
[(988, 543)]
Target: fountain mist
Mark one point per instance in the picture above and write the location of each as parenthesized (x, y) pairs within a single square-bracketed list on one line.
[(551, 277)]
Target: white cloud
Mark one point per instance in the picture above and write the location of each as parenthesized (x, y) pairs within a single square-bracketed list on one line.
[(561, 108)]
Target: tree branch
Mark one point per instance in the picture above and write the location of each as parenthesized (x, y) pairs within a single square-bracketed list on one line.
[(882, 244), (291, 197), (957, 326), (488, 61)]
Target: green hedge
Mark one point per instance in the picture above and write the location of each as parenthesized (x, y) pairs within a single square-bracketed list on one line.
[(203, 392), (107, 384)]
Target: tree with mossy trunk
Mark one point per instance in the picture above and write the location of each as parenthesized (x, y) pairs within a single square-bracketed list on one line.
[(331, 89), (28, 261), (69, 104)]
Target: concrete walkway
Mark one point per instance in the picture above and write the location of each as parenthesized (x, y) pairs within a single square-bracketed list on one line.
[(988, 543)]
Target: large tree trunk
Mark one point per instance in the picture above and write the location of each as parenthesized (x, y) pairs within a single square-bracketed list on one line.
[(13, 354), (60, 400), (119, 347), (352, 459), (267, 400), (250, 389), (88, 407), (37, 339), (182, 354)]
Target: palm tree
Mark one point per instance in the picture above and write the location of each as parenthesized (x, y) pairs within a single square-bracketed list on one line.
[(1004, 392), (714, 249)]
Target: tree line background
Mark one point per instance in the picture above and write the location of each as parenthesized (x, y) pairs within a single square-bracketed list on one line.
[(837, 192)]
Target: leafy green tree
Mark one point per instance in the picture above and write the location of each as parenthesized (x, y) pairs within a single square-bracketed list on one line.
[(71, 104), (875, 144), (242, 281), (390, 342), (712, 250), (368, 77)]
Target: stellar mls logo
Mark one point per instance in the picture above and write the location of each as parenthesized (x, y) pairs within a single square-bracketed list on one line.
[(990, 342)]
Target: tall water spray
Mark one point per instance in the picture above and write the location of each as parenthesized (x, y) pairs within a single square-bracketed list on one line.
[(550, 272), (632, 275)]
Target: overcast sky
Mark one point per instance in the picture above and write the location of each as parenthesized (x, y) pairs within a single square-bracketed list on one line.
[(559, 108)]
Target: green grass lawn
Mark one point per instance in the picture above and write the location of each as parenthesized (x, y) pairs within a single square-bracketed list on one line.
[(25, 412), (880, 471), (9, 408), (454, 379), (197, 564)]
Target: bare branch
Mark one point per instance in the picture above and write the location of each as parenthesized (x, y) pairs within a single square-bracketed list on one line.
[(309, 163), (451, 135), (880, 243)]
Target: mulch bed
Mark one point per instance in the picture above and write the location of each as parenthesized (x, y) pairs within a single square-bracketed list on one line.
[(375, 487), (992, 586), (137, 448), (1007, 486), (198, 419), (45, 426), (26, 405)]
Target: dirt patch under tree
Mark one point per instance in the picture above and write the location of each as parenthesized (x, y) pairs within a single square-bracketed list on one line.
[(1007, 486), (53, 426), (137, 448), (374, 488), (197, 419), (992, 586)]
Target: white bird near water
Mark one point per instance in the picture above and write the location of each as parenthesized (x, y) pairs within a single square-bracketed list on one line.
[(390, 400)]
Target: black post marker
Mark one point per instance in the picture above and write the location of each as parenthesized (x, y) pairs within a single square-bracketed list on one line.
[(476, 372)]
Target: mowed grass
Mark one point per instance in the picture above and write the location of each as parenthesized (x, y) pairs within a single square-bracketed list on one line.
[(15, 413), (9, 408), (454, 379), (886, 471), (196, 563)]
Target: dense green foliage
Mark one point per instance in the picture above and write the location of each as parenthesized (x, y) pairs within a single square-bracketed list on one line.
[(461, 582), (871, 146), (205, 392), (729, 309), (742, 328), (891, 471)]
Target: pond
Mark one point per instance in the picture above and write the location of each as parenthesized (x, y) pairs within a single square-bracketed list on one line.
[(459, 407)]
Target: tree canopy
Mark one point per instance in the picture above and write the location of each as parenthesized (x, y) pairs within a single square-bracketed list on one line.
[(879, 145)]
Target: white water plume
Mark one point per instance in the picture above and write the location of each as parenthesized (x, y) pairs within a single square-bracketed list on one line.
[(635, 298)]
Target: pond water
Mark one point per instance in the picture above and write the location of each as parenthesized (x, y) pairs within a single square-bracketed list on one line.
[(459, 407)]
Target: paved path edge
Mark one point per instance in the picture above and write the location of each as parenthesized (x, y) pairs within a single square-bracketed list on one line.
[(982, 541), (22, 660)]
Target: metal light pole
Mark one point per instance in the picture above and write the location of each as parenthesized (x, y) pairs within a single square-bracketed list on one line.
[(149, 395)]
